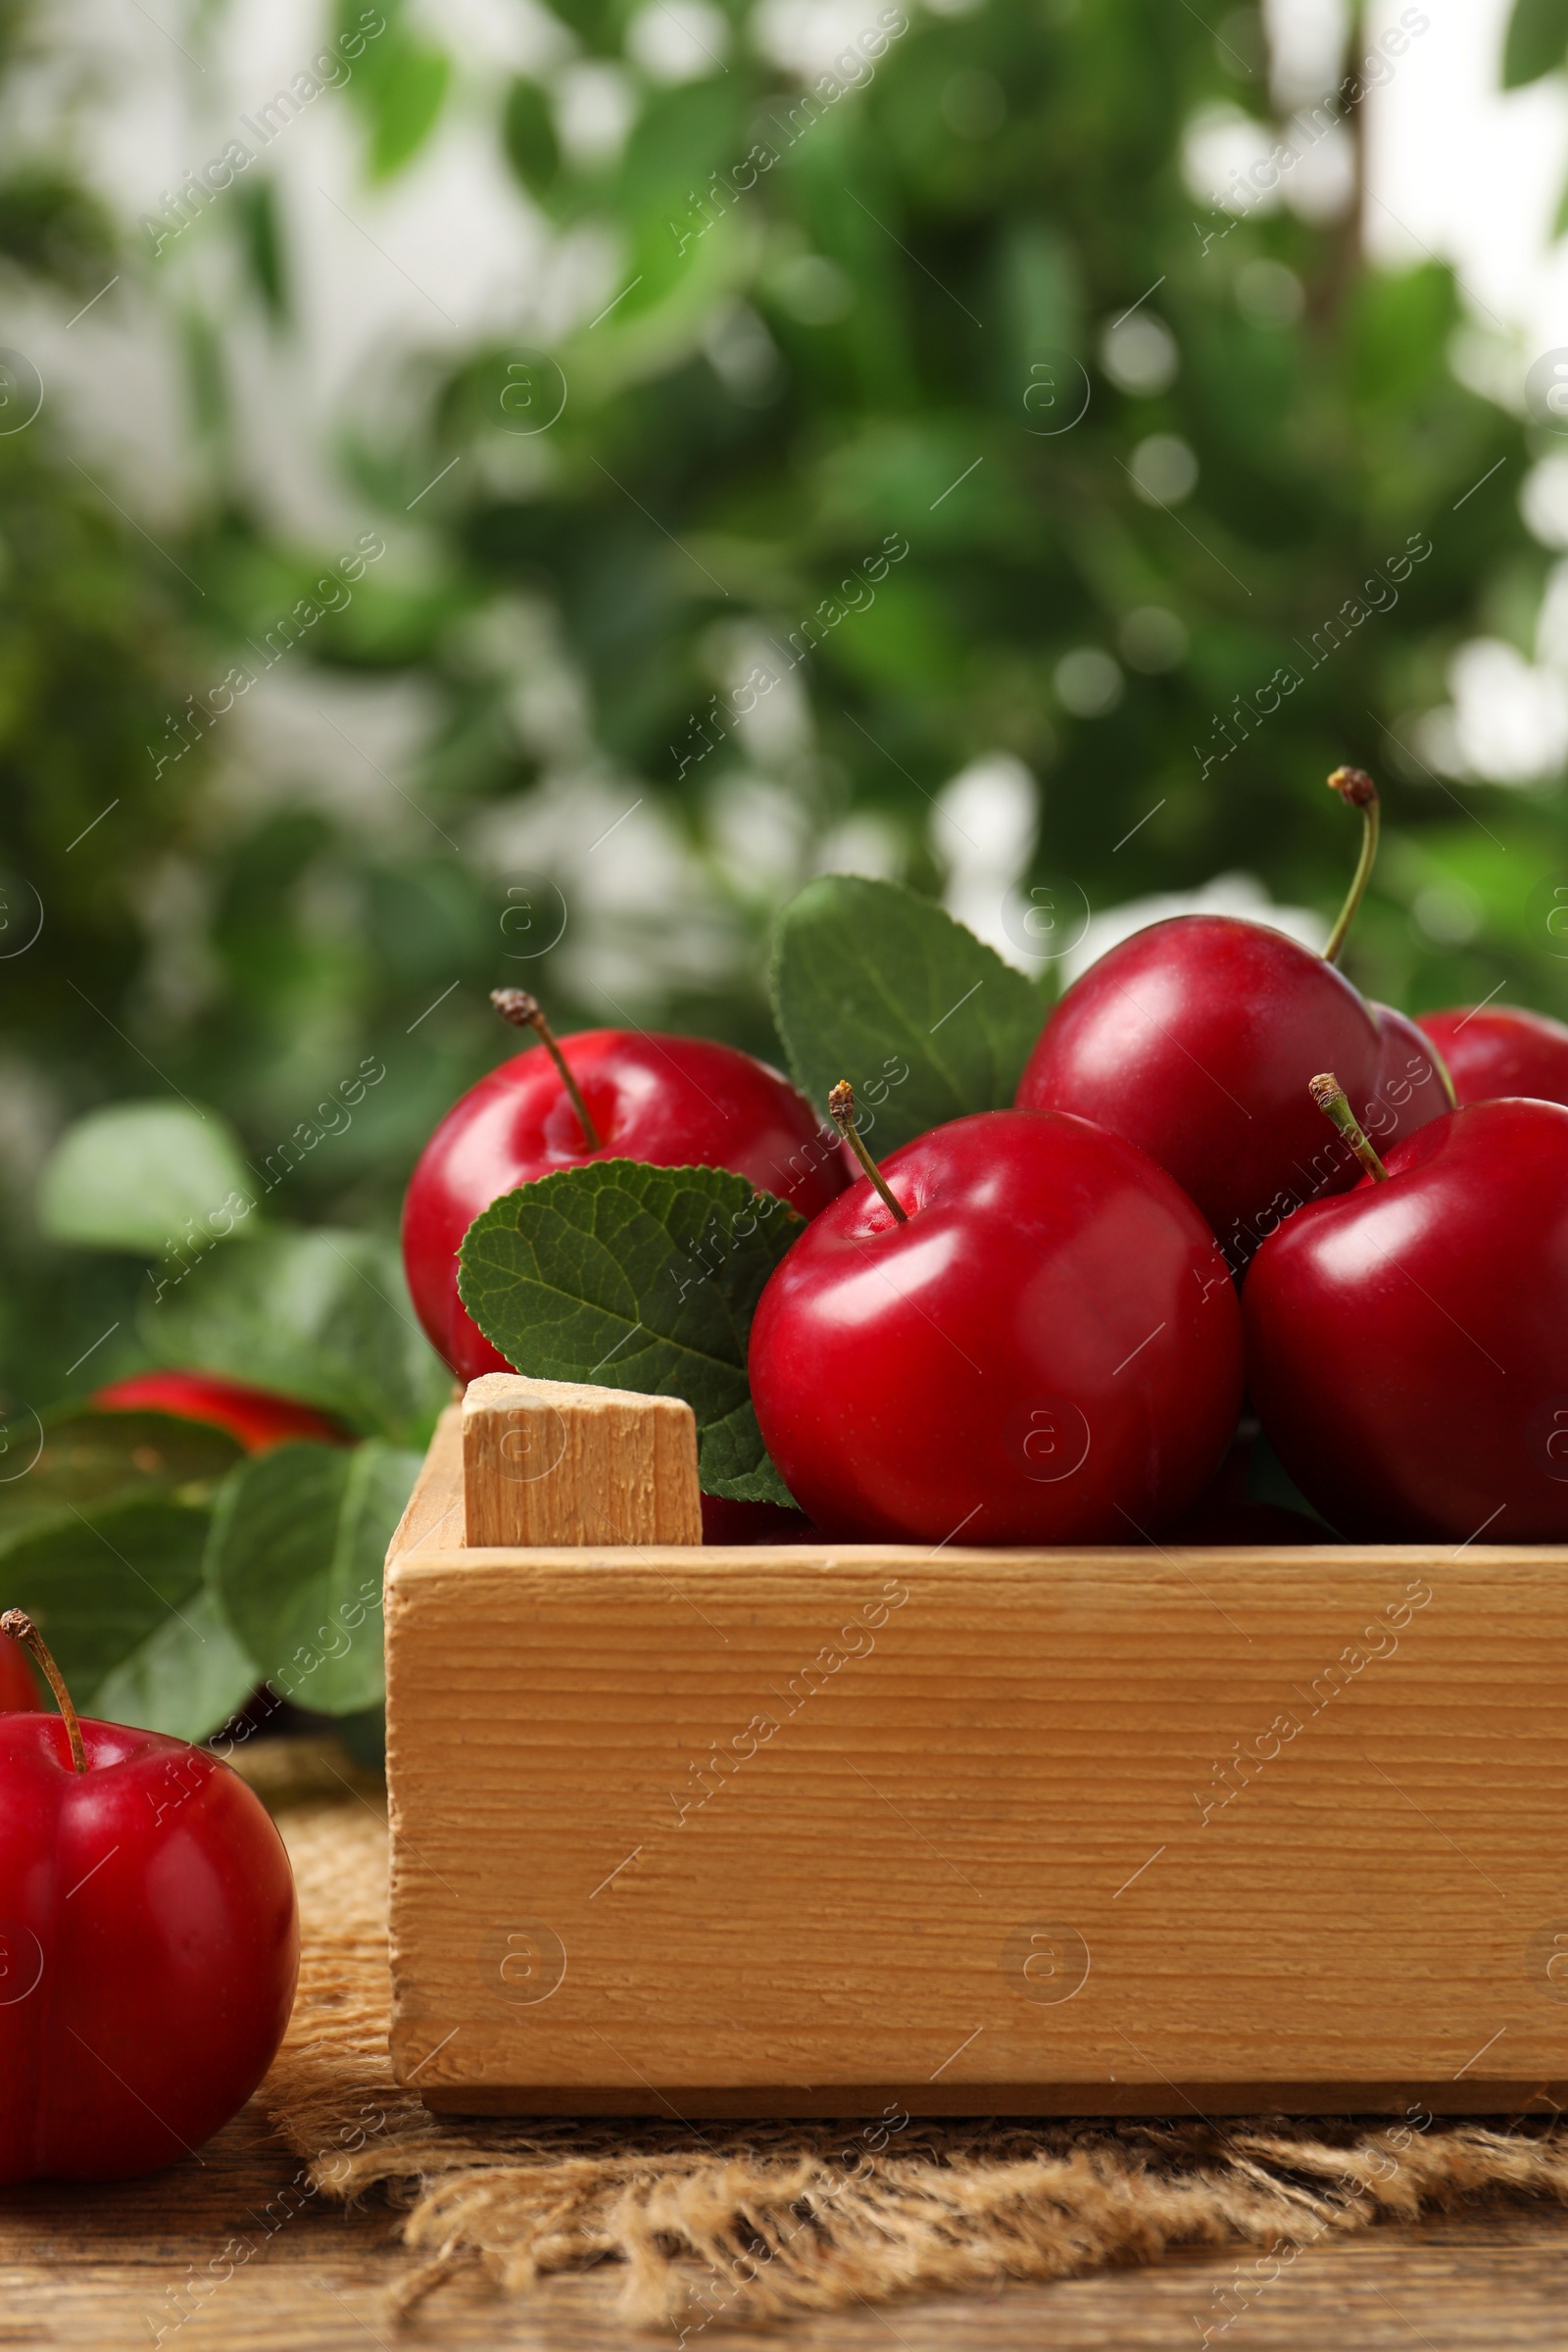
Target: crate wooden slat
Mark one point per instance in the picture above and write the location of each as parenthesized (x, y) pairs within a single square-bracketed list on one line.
[(811, 1829), (546, 1462)]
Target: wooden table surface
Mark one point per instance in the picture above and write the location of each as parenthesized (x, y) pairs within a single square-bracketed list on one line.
[(112, 2267)]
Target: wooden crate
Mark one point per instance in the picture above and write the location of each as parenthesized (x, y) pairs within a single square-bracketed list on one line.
[(822, 1830)]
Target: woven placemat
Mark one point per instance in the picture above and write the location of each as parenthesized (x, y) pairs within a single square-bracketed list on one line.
[(719, 2224)]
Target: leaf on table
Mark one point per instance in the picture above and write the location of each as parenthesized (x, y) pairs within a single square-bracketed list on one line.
[(81, 1459), (324, 1316), (101, 1583), (187, 1677), (877, 985), (641, 1278), (133, 1175), (295, 1561)]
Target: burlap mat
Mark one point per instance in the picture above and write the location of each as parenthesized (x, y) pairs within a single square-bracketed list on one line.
[(724, 2224)]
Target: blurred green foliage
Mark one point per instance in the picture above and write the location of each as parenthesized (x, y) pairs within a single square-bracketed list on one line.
[(1537, 37), (795, 363)]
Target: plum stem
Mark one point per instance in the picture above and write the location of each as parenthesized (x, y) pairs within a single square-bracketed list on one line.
[(515, 1005), (841, 1110), (1329, 1096), (20, 1628), (1356, 790)]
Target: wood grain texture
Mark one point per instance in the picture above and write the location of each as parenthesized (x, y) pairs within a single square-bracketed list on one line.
[(191, 2259), (555, 1461), (434, 1510), (785, 1830)]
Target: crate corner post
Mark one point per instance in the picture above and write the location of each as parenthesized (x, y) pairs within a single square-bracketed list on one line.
[(517, 1469)]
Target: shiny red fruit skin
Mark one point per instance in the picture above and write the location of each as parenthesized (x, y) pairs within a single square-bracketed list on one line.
[(1196, 1039), (1501, 1051), (150, 1941), (258, 1417), (676, 1101), (1049, 1351), (1407, 1343)]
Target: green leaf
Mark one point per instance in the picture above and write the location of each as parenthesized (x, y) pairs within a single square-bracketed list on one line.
[(135, 1176), (83, 1460), (295, 1561), (679, 138), (733, 1461), (365, 1738), (1537, 42), (407, 92), (103, 1583), (321, 1316), (114, 1589), (593, 20), (873, 984), (639, 1278), (187, 1677), (528, 130), (52, 228), (256, 212), (1268, 1481)]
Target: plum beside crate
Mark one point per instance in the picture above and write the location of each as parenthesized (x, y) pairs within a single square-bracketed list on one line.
[(800, 1829)]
